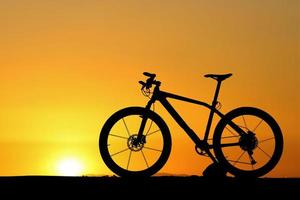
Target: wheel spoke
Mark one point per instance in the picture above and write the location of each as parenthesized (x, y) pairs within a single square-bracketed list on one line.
[(144, 158), (149, 127), (150, 148), (232, 133), (244, 127), (238, 160), (257, 125), (152, 132), (126, 126), (120, 152), (230, 136), (245, 122), (129, 160), (119, 136), (263, 151), (230, 144), (265, 140)]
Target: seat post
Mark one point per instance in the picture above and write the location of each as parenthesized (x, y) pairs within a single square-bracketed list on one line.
[(212, 111), (215, 100)]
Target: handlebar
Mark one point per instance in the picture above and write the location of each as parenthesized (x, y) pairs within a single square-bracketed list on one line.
[(149, 74), (150, 81)]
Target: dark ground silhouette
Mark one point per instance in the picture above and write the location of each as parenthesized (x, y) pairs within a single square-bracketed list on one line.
[(189, 186)]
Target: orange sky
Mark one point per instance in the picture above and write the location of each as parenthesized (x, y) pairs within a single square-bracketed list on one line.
[(67, 65)]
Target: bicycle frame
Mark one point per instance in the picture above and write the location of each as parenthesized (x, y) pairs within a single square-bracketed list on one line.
[(162, 96), (163, 100)]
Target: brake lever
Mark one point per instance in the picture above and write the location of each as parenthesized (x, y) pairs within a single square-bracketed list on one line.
[(143, 84)]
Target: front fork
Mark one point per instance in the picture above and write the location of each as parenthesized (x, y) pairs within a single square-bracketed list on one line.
[(141, 137)]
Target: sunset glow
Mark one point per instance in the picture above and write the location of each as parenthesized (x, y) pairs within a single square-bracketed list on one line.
[(70, 167), (66, 66)]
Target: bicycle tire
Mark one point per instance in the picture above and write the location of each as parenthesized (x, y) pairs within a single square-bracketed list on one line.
[(107, 156), (270, 124)]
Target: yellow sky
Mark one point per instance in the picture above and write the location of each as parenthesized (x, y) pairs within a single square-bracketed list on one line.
[(67, 65)]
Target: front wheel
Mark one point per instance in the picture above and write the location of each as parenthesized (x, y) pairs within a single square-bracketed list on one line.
[(119, 150), (254, 153)]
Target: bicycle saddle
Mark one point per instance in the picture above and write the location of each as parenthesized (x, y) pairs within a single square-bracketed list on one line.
[(218, 77)]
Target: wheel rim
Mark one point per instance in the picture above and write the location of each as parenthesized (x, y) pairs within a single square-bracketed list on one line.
[(253, 151), (125, 154)]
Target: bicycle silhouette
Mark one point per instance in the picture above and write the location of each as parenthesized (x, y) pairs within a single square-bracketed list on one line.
[(136, 141)]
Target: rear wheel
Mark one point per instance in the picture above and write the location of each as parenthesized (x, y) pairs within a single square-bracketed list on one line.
[(252, 154), (123, 155)]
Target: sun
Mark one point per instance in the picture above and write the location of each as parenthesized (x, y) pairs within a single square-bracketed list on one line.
[(70, 167)]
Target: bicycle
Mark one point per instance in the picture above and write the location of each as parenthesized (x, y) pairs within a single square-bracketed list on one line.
[(247, 141)]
